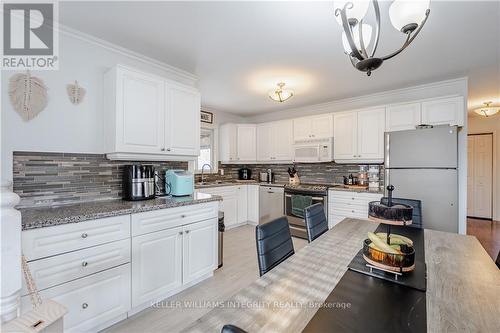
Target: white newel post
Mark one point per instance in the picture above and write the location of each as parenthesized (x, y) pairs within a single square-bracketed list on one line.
[(10, 264)]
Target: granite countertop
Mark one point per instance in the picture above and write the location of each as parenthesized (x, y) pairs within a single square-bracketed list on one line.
[(459, 272), (198, 186), (40, 217), (338, 187)]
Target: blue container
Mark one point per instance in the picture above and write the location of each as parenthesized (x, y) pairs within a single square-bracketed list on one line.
[(179, 182)]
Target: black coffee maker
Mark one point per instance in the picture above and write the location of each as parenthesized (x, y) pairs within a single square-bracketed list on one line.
[(138, 182), (244, 174)]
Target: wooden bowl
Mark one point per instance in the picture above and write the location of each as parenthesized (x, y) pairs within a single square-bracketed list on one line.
[(404, 262)]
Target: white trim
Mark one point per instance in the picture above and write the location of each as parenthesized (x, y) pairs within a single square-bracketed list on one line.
[(171, 70), (148, 157)]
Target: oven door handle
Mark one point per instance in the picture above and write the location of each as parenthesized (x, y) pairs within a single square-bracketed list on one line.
[(314, 198)]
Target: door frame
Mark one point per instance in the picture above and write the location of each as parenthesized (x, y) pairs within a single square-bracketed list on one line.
[(495, 210)]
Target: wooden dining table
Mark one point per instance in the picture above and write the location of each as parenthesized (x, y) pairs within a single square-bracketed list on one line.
[(462, 294)]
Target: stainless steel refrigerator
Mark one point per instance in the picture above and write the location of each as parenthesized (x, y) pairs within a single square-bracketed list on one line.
[(422, 165)]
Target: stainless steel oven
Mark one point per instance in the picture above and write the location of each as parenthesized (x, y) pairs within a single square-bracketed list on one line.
[(306, 194)]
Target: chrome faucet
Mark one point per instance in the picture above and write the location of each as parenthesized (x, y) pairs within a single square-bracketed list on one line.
[(203, 173)]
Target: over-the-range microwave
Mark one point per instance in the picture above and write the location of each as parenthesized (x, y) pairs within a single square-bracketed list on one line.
[(313, 151)]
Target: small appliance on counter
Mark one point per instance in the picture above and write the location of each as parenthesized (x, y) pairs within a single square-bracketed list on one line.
[(294, 177), (179, 183), (244, 174), (267, 177), (138, 182)]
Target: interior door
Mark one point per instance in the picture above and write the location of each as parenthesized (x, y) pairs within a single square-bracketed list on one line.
[(470, 176), (141, 105), (182, 120), (483, 175), (371, 124), (199, 249), (345, 136)]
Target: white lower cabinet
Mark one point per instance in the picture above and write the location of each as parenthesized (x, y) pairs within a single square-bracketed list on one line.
[(253, 203), (156, 264), (235, 211), (242, 204), (199, 250), (346, 204), (93, 302)]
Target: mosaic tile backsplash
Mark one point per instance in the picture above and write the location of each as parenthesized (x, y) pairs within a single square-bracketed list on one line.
[(43, 179)]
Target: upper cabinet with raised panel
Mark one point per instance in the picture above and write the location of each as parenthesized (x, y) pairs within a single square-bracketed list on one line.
[(238, 143), (147, 117), (441, 111), (312, 128), (274, 141), (359, 136)]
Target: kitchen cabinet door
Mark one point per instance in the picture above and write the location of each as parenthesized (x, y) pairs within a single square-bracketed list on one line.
[(264, 142), (282, 141), (322, 127), (444, 111), (227, 143), (182, 120), (156, 264), (371, 124), (140, 112), (246, 142), (199, 249), (402, 117), (345, 136), (242, 204), (302, 129), (253, 203)]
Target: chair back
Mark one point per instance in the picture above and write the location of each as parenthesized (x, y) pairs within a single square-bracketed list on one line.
[(316, 222), (498, 260), (274, 244), (417, 209), (232, 329)]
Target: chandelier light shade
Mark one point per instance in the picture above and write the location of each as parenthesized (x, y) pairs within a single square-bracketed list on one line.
[(407, 16), (280, 94), (487, 110)]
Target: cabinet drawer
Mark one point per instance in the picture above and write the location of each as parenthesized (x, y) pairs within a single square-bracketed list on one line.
[(146, 222), (59, 269), (49, 241), (354, 213), (92, 300)]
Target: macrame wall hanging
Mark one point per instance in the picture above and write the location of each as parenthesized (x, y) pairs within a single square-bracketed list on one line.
[(28, 95), (75, 93)]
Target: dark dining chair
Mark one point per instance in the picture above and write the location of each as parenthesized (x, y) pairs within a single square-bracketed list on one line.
[(316, 222), (498, 260), (232, 329), (417, 209), (274, 244)]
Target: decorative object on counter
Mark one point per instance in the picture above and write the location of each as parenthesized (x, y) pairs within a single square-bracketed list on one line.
[(294, 177), (206, 117), (409, 17), (363, 176), (386, 251), (280, 95), (373, 177), (28, 95), (75, 93), (487, 110)]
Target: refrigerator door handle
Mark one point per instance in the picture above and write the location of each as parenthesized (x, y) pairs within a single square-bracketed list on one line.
[(387, 149)]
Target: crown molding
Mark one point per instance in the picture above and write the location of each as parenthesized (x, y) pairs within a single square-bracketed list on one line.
[(175, 72), (371, 99)]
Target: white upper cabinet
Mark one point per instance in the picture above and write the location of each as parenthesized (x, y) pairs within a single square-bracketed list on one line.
[(311, 128), (182, 120), (402, 117), (345, 141), (246, 142), (274, 141), (238, 143), (359, 136), (445, 111), (148, 117), (441, 111)]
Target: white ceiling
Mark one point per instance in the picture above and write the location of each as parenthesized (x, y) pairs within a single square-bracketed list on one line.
[(239, 50)]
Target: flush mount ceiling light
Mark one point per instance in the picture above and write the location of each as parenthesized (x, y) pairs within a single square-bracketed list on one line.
[(280, 95), (487, 110), (407, 16)]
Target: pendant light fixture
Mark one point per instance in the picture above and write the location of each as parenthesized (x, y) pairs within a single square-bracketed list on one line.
[(407, 16), (280, 95), (487, 110)]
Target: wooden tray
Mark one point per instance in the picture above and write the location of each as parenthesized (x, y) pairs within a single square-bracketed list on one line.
[(391, 222)]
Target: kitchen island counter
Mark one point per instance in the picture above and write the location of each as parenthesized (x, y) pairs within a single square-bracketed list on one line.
[(463, 285)]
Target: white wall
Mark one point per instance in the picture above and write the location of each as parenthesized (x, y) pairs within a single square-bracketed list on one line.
[(62, 126), (491, 125)]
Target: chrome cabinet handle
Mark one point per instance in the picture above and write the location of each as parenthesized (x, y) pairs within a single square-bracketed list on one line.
[(183, 216), (84, 235), (85, 264), (180, 232), (85, 305), (187, 231), (163, 149), (168, 149)]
